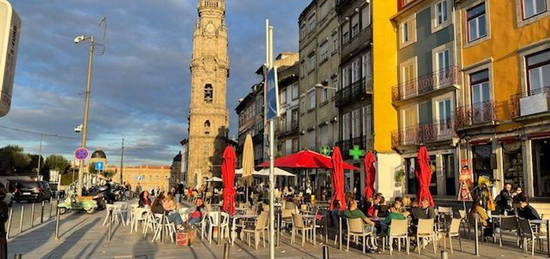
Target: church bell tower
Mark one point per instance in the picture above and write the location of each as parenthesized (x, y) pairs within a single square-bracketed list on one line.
[(208, 120)]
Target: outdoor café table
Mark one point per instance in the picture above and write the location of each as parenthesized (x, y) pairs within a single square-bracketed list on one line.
[(547, 222), (234, 224)]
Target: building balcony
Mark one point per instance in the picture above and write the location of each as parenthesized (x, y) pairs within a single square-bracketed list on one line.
[(530, 104), (353, 92), (422, 134), (363, 142), (475, 114), (358, 42), (425, 85)]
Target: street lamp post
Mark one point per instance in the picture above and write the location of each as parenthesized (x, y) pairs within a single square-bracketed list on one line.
[(84, 135)]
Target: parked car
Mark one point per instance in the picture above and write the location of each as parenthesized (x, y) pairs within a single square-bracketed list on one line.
[(32, 191)]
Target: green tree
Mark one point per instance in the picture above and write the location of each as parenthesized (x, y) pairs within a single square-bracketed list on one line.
[(12, 159), (56, 162), (108, 173)]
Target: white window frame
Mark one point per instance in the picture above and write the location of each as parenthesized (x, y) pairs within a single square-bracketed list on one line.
[(323, 49), (527, 51), (474, 68), (346, 123), (467, 42), (355, 70), (522, 21), (312, 98), (403, 121), (435, 61), (402, 81), (355, 20), (311, 62), (295, 89), (366, 65), (365, 12), (436, 111), (436, 26), (311, 22), (335, 42), (411, 23)]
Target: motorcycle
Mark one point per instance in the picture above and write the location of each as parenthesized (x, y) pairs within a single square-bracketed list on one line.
[(73, 202)]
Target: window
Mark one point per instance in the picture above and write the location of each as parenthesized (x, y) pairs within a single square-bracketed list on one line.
[(355, 25), (288, 123), (533, 8), (444, 116), (345, 77), (477, 22), (282, 122), (538, 72), (311, 62), (345, 33), (442, 65), (294, 119), (324, 136), (295, 91), (311, 22), (365, 17), (311, 139), (282, 96), (541, 167), (479, 83), (303, 30), (408, 31), (324, 95), (208, 93), (356, 123), (355, 70), (323, 9), (334, 41), (288, 146), (295, 145), (346, 130), (408, 75), (311, 97), (366, 71), (324, 51), (441, 13), (207, 124), (410, 119), (367, 121)]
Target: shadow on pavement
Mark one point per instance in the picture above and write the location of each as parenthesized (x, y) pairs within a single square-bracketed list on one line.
[(71, 240)]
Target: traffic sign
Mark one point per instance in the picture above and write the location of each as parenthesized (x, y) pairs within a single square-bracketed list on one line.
[(139, 177), (81, 153), (99, 166)]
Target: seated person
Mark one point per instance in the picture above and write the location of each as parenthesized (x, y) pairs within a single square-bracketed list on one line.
[(372, 209), (195, 217), (144, 200), (394, 213), (480, 213), (157, 207), (353, 212), (527, 211), (422, 212), (171, 207), (381, 208)]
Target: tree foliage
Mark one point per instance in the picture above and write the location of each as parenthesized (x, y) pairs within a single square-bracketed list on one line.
[(57, 162), (12, 159), (108, 173)]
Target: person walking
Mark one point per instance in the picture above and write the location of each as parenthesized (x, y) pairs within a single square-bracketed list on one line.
[(179, 192)]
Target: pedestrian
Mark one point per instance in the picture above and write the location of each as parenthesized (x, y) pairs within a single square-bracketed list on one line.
[(138, 188), (3, 218), (179, 192)]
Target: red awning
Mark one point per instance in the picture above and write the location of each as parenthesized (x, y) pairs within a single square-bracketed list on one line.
[(306, 159)]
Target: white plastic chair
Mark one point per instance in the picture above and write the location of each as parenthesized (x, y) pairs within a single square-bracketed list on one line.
[(163, 227), (138, 215), (220, 220)]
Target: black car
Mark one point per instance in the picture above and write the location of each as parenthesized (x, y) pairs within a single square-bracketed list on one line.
[(32, 191)]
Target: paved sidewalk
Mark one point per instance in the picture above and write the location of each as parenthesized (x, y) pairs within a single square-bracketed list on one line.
[(83, 236)]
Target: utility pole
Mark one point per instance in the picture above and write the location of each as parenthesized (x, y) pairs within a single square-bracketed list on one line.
[(121, 160), (86, 111), (39, 158)]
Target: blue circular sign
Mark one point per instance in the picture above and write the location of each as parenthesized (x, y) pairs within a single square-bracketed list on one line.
[(81, 153)]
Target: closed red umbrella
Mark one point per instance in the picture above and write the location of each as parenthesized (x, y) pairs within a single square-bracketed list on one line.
[(228, 176), (306, 159), (338, 179), (424, 175), (370, 174)]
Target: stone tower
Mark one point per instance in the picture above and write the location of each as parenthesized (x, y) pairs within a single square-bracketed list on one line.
[(208, 112)]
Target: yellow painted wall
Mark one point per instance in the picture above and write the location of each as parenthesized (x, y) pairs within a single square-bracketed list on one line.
[(505, 39), (385, 72)]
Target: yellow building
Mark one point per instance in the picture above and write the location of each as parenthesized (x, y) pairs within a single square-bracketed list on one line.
[(503, 118), (384, 78), (147, 176)]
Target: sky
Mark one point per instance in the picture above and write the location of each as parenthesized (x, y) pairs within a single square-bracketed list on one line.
[(141, 81)]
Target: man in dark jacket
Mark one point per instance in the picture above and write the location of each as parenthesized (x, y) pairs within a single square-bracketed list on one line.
[(504, 199), (3, 218), (526, 211)]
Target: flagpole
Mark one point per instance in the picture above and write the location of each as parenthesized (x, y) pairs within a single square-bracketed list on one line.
[(269, 63)]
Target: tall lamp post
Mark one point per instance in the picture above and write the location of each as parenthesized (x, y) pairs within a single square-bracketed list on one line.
[(84, 135)]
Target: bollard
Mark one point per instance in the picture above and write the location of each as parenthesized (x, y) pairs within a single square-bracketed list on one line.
[(32, 215), (476, 233), (325, 252), (340, 232), (50, 212), (444, 255), (57, 224), (17, 256), (21, 219), (226, 250), (9, 224), (42, 213), (110, 223)]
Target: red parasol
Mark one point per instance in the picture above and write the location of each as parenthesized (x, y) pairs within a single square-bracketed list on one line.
[(424, 175), (306, 159), (338, 179), (228, 176), (370, 174)]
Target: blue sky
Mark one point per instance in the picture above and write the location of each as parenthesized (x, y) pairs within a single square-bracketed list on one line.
[(141, 84)]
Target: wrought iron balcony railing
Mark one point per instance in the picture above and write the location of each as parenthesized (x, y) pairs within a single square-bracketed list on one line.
[(531, 102), (476, 113), (425, 84), (424, 133), (353, 92)]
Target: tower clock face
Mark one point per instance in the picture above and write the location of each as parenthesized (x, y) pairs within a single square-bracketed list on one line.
[(210, 28)]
